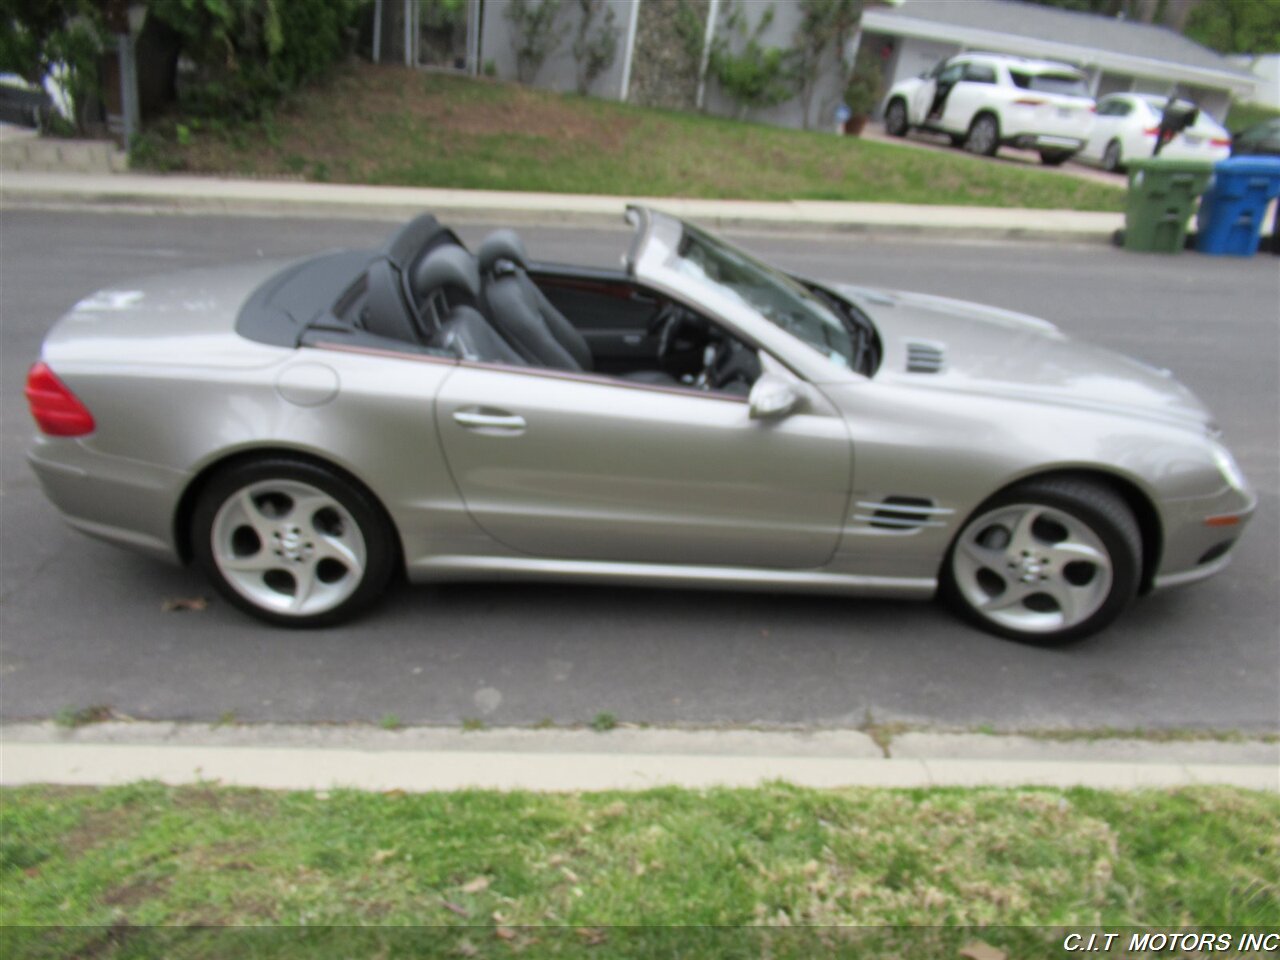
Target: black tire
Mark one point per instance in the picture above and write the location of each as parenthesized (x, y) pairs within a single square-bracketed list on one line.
[(1112, 161), (348, 502), (895, 119), (1091, 507), (1054, 158), (984, 135)]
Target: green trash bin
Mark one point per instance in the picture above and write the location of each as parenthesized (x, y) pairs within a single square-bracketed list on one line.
[(1162, 197)]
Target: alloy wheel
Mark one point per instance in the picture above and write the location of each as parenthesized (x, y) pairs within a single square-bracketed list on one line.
[(1032, 569), (288, 547)]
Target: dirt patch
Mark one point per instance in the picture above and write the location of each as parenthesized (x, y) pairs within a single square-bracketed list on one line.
[(518, 110), (135, 892), (98, 828), (250, 803)]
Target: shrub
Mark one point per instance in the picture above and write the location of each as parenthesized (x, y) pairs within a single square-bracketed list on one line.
[(249, 53)]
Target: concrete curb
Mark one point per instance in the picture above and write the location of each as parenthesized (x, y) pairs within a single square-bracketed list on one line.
[(320, 758), (211, 195)]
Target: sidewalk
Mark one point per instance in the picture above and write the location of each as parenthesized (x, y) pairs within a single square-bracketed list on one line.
[(211, 195), (297, 757)]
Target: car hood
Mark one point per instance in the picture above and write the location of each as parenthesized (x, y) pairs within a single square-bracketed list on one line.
[(186, 317), (942, 344)]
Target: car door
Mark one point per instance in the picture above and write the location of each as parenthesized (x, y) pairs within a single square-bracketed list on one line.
[(583, 467), (972, 90), (1107, 125), (944, 88), (922, 97)]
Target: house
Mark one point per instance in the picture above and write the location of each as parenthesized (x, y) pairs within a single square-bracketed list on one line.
[(1118, 55), (655, 65)]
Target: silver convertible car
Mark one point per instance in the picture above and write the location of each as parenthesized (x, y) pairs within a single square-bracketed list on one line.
[(307, 431)]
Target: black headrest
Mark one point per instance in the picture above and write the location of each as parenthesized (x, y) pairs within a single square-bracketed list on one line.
[(447, 266), (502, 244)]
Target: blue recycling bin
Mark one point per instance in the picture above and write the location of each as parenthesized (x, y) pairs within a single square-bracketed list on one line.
[(1233, 208)]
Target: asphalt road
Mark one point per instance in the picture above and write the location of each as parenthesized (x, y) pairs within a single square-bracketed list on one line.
[(81, 623)]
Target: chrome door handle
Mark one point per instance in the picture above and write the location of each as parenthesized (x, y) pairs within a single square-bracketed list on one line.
[(493, 421)]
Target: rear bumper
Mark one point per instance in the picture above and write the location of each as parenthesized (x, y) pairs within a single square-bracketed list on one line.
[(1046, 141), (122, 501)]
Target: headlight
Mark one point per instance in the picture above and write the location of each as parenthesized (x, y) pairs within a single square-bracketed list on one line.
[(1228, 467)]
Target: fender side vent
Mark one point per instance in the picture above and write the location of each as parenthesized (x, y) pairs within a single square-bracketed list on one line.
[(925, 357), (901, 514)]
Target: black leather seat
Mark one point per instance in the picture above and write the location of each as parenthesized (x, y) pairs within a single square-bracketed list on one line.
[(526, 318), (445, 284)]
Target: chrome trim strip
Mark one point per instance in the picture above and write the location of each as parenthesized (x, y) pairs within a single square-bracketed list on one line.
[(603, 380), (895, 522), (666, 575), (530, 371), (905, 508), (379, 352)]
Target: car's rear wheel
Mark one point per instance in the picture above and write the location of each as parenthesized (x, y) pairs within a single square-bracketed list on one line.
[(895, 119), (1054, 158), (1111, 159), (292, 542), (984, 135), (1046, 562)]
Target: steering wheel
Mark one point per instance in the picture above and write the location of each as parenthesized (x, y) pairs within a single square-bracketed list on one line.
[(664, 325), (728, 365)]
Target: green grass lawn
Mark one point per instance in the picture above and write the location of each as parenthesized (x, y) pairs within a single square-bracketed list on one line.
[(85, 872), (389, 125)]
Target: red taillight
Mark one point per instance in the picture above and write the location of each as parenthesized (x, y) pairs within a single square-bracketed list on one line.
[(1221, 141), (1029, 102), (56, 409), (1152, 132)]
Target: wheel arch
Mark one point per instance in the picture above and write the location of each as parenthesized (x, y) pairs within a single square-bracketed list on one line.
[(200, 482), (1135, 498)]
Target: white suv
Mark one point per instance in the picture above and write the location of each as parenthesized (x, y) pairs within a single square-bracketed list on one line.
[(984, 101)]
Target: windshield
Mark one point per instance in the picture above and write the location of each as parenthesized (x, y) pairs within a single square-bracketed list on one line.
[(769, 292)]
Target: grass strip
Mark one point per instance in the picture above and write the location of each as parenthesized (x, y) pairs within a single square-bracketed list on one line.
[(88, 871), (389, 125)]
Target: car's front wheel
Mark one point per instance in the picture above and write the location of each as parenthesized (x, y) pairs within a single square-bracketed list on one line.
[(292, 542), (1046, 562), (984, 135), (895, 119)]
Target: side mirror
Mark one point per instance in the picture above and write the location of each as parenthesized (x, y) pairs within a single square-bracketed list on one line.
[(771, 397)]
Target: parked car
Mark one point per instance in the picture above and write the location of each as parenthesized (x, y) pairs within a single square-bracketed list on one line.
[(28, 105), (697, 418), (985, 101), (1127, 126), (1261, 138)]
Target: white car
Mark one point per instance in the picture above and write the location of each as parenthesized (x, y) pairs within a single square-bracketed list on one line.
[(1127, 126), (984, 101)]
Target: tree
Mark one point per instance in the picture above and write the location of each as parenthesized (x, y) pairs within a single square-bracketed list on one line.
[(1236, 26), (533, 35), (41, 38), (594, 53), (249, 53), (824, 31)]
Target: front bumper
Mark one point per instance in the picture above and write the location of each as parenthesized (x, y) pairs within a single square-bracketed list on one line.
[(1195, 549)]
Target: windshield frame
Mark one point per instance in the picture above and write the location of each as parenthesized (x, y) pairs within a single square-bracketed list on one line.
[(653, 259)]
